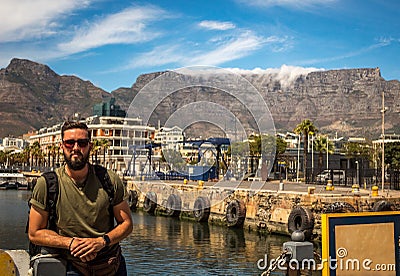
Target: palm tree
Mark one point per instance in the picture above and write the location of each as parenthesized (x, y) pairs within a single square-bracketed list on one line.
[(36, 152), (3, 158), (103, 143), (95, 149), (306, 127), (320, 145), (52, 154), (27, 154)]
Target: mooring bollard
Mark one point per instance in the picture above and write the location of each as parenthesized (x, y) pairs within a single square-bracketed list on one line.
[(299, 251), (281, 186), (355, 189), (329, 186), (374, 191)]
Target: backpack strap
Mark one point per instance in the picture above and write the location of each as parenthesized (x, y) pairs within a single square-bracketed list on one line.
[(108, 186), (52, 196)]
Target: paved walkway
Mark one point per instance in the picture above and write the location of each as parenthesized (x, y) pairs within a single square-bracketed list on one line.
[(289, 186)]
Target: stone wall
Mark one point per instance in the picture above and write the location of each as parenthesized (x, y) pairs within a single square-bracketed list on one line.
[(266, 211)]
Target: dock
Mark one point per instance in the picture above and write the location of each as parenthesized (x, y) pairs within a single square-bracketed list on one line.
[(279, 207)]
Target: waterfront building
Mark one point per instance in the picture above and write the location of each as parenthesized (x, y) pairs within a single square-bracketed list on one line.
[(118, 134), (169, 138), (12, 144)]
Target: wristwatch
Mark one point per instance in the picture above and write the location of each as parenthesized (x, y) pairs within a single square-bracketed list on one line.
[(106, 239)]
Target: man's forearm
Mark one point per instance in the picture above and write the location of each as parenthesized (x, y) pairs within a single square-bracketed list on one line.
[(46, 237), (120, 232)]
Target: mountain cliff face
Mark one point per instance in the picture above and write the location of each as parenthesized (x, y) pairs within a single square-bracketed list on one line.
[(33, 96), (344, 102), (347, 102)]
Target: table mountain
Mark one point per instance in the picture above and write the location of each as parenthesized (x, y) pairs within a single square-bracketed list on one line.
[(346, 102)]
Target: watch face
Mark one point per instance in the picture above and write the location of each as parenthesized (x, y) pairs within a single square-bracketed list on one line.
[(107, 239)]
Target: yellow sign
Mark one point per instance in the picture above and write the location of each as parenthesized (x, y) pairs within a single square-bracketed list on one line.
[(364, 243)]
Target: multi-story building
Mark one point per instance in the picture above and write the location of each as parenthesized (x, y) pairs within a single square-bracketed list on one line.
[(169, 138), (115, 141), (12, 144)]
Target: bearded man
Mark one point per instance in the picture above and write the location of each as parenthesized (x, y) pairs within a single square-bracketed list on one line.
[(84, 235)]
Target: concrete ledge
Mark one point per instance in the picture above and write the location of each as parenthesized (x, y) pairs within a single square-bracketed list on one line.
[(21, 261)]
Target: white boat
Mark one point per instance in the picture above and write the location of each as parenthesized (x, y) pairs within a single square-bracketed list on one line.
[(13, 180)]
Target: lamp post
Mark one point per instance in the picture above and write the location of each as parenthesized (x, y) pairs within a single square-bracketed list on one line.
[(298, 160), (327, 152), (383, 140), (312, 157), (358, 173)]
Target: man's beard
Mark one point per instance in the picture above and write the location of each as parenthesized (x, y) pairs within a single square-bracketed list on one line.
[(78, 163)]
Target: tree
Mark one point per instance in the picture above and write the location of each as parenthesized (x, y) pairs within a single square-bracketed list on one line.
[(3, 158), (37, 153), (321, 145), (27, 154), (357, 150), (306, 127), (281, 146), (95, 149), (104, 144), (392, 155)]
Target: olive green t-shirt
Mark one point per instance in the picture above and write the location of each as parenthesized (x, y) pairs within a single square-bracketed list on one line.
[(82, 211)]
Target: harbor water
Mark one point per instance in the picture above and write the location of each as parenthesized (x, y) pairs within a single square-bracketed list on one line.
[(162, 245)]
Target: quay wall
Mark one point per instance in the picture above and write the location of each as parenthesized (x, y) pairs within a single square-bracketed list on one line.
[(266, 210)]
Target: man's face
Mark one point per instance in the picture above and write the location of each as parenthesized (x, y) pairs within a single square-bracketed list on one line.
[(76, 148)]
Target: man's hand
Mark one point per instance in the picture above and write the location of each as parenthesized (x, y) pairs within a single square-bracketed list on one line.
[(86, 248)]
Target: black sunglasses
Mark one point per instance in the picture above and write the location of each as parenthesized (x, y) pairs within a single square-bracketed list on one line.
[(82, 143)]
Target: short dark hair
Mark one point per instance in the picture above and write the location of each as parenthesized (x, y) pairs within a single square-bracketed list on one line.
[(72, 125)]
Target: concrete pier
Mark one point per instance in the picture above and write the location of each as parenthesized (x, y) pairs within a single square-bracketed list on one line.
[(266, 206)]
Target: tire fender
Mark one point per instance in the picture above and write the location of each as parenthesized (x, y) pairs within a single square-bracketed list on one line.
[(150, 202), (133, 199), (235, 213), (201, 209), (174, 205), (383, 205), (302, 219)]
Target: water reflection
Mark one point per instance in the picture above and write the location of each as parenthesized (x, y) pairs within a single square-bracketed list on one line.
[(167, 246), (161, 245)]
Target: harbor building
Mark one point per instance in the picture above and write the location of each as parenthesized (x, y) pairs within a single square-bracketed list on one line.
[(112, 137)]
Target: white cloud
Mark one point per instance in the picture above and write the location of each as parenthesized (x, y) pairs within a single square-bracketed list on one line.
[(238, 47), (297, 4), (286, 74), (126, 27), (26, 19), (216, 25), (159, 56)]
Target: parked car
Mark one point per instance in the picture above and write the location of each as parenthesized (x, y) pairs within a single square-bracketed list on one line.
[(337, 176)]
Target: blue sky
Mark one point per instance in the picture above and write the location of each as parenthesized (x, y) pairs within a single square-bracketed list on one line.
[(111, 43)]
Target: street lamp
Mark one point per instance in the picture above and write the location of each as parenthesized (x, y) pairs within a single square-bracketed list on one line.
[(327, 152), (298, 159), (383, 139), (358, 173)]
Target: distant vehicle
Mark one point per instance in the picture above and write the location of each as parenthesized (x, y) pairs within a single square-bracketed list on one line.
[(337, 176)]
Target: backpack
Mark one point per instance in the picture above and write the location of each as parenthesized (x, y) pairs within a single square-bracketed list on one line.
[(52, 196)]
